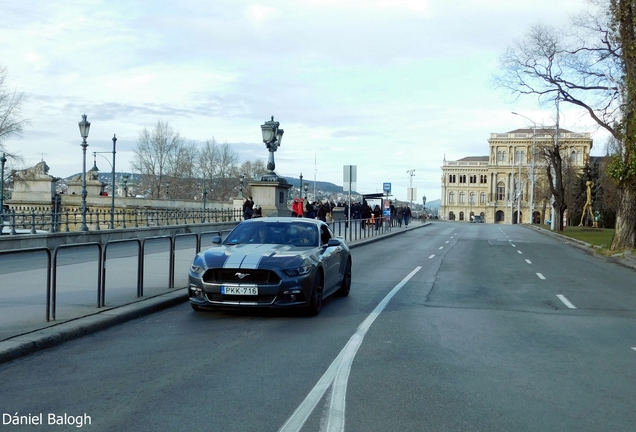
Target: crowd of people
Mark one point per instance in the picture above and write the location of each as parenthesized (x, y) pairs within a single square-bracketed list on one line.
[(323, 210)]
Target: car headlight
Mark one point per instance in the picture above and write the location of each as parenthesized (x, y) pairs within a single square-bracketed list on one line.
[(197, 265), (298, 271)]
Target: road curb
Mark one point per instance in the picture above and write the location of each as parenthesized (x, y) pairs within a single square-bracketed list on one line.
[(31, 342), (625, 259)]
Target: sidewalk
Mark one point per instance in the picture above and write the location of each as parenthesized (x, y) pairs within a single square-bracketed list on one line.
[(24, 337)]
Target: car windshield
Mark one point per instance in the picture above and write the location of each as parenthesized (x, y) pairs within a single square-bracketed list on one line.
[(291, 233)]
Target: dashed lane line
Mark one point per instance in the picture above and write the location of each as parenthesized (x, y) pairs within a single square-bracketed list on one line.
[(540, 276), (565, 301)]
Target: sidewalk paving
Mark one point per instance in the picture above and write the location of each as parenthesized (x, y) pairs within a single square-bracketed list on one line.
[(23, 339)]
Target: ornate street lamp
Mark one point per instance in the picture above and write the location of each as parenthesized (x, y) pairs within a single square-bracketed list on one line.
[(300, 188), (84, 127), (306, 189), (272, 137), (241, 181), (3, 160)]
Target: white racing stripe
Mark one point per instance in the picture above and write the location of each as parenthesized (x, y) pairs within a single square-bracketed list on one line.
[(337, 376)]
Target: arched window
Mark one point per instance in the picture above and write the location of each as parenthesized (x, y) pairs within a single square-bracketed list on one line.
[(462, 197), (501, 191), (452, 178), (482, 198), (451, 216), (462, 178), (461, 216), (451, 197)]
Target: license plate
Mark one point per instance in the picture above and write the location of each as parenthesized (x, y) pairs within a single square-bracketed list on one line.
[(230, 290)]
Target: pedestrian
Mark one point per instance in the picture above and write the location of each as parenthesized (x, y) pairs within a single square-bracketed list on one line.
[(297, 207), (365, 213), (248, 210), (399, 215), (393, 213), (322, 211), (310, 211), (377, 216), (258, 212), (407, 215)]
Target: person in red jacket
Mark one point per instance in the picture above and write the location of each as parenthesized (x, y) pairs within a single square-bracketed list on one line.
[(297, 207)]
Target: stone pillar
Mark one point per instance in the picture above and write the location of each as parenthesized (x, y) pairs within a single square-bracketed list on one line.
[(272, 197)]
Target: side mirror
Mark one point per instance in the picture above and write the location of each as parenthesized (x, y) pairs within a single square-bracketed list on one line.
[(216, 239), (333, 242)]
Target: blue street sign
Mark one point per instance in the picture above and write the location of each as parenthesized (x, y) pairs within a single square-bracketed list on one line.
[(386, 187)]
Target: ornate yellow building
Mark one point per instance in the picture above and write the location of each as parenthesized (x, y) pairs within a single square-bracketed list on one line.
[(493, 186)]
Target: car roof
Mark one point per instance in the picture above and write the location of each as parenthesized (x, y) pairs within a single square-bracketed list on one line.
[(277, 219)]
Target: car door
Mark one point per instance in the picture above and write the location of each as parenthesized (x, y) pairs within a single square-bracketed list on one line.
[(330, 259)]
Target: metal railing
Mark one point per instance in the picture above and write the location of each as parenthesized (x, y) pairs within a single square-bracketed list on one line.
[(31, 221)]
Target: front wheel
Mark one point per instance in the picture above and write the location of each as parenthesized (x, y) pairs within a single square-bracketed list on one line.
[(315, 301), (345, 287)]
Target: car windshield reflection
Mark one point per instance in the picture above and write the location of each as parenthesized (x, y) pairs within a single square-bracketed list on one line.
[(294, 234)]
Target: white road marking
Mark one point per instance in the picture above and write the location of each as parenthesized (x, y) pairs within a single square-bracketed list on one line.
[(565, 301), (512, 245), (432, 256), (634, 348), (337, 375), (540, 276), (528, 261), (441, 247), (519, 252), (447, 241)]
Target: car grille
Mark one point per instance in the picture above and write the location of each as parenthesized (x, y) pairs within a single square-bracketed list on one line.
[(261, 299), (251, 276)]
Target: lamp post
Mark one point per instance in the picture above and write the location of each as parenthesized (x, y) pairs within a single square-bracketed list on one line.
[(300, 188), (272, 137), (84, 127), (3, 160), (241, 180), (306, 189), (471, 199), (126, 185), (205, 195), (411, 173), (112, 195), (534, 143)]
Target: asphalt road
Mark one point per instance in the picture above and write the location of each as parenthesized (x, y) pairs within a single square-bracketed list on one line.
[(451, 327)]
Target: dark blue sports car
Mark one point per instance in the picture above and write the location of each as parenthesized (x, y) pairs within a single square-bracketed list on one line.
[(274, 263)]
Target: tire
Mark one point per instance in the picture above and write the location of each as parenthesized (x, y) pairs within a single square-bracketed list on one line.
[(315, 302), (345, 287)]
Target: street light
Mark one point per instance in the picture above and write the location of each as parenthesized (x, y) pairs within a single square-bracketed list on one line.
[(241, 180), (126, 185), (3, 160), (411, 173), (112, 195), (205, 195), (534, 142), (84, 127), (306, 189), (300, 188), (272, 137)]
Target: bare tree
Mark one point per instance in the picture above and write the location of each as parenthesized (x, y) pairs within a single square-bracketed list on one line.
[(182, 170), (218, 164), (593, 68), (11, 121), (154, 152)]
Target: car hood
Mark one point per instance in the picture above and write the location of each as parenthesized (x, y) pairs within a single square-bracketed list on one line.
[(252, 256)]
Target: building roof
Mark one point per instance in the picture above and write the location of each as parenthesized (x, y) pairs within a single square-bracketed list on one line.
[(474, 159), (542, 130)]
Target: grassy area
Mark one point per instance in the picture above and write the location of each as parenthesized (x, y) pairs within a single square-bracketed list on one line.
[(600, 237)]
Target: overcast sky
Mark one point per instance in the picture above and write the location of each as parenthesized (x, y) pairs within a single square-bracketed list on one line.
[(386, 85)]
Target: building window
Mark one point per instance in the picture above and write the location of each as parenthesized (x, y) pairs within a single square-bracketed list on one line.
[(461, 216), (473, 179), (462, 178), (501, 191), (462, 197), (482, 197), (519, 156), (483, 179), (451, 197), (452, 178), (501, 156), (451, 216)]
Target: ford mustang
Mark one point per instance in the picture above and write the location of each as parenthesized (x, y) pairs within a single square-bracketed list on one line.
[(271, 262)]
